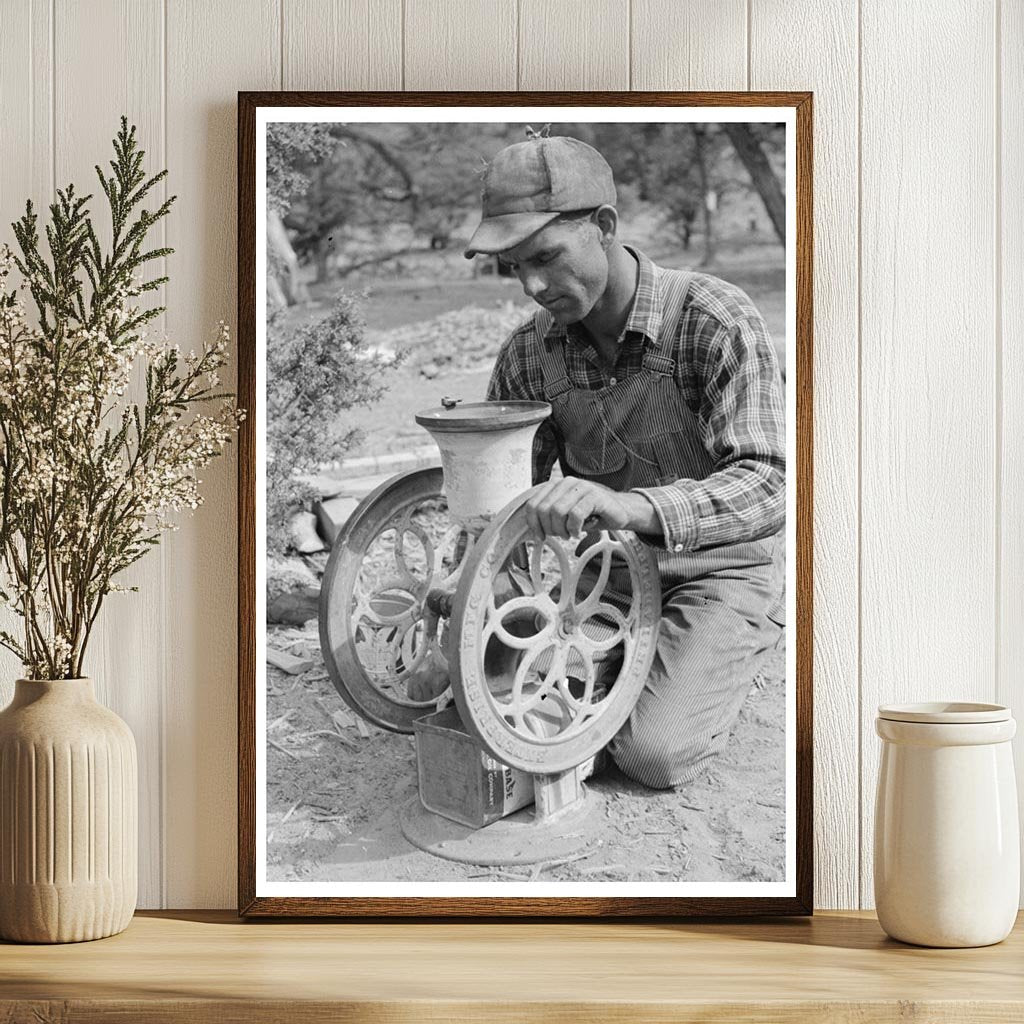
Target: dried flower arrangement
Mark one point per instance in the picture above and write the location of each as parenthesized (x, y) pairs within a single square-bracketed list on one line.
[(89, 477)]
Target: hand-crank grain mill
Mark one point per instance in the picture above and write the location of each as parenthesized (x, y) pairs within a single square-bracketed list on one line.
[(436, 592)]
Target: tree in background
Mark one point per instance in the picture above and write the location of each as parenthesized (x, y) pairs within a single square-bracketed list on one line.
[(314, 371), (388, 190), (750, 150), (291, 150), (362, 195), (362, 184), (693, 169)]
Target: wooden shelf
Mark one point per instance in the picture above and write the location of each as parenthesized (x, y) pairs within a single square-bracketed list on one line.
[(197, 966)]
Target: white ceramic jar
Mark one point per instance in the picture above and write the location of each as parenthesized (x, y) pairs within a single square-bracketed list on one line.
[(947, 846)]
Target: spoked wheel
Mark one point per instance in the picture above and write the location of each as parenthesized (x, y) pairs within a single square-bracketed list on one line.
[(383, 646), (555, 638)]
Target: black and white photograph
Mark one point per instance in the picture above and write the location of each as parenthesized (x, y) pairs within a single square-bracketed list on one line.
[(525, 518)]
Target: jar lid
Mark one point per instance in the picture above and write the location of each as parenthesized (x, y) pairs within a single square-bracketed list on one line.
[(945, 713), (483, 416)]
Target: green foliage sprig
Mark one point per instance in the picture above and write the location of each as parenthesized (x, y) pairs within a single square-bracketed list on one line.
[(88, 477)]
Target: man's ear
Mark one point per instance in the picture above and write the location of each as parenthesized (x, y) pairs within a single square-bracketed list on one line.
[(607, 220)]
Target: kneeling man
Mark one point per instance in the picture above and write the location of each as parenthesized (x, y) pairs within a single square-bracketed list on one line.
[(668, 419)]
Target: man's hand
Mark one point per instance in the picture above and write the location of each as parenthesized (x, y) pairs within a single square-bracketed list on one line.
[(562, 507)]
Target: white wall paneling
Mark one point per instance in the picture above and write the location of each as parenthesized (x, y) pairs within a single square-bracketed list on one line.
[(126, 652), (919, 318), (1009, 259), (574, 44), (683, 45), (781, 59), (213, 51), (26, 107), (928, 358), (26, 169), (465, 44), (342, 44)]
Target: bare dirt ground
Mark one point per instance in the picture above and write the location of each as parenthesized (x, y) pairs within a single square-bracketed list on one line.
[(335, 787)]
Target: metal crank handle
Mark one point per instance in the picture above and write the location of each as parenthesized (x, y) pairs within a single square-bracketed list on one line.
[(589, 524)]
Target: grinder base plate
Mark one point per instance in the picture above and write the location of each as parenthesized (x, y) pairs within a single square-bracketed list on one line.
[(517, 839)]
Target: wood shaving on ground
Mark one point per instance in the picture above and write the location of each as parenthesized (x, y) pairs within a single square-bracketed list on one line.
[(330, 733), (286, 662), (604, 869), (281, 719), (546, 865), (343, 719), (323, 709), (338, 718)]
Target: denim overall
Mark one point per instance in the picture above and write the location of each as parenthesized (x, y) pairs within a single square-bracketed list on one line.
[(721, 606)]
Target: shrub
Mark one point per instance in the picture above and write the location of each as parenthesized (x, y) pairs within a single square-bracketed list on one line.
[(315, 372)]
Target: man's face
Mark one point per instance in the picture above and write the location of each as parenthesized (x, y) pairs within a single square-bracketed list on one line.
[(563, 267)]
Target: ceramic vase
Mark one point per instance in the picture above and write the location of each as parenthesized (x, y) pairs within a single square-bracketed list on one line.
[(68, 815), (947, 847)]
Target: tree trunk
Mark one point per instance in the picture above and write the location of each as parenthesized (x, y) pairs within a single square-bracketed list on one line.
[(371, 261), (275, 293), (323, 253), (702, 172), (284, 262), (749, 150)]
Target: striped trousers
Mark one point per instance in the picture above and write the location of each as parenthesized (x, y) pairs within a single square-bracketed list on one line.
[(714, 637)]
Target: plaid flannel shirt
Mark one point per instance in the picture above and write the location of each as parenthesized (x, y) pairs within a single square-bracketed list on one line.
[(728, 374)]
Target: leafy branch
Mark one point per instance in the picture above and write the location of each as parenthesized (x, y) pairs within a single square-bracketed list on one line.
[(89, 478)]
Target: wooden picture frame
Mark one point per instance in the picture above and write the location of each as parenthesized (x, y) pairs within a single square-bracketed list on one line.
[(795, 897)]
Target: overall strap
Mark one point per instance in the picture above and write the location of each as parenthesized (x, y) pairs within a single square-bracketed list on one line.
[(552, 360), (674, 288)]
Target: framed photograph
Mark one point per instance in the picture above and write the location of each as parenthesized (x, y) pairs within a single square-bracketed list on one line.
[(525, 501)]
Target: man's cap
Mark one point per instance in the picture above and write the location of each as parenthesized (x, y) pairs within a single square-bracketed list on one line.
[(528, 184)]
